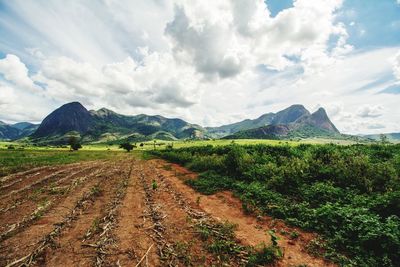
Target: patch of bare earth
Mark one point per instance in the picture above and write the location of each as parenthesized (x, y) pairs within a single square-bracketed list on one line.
[(32, 233), (20, 210), (131, 238), (251, 230), (71, 249)]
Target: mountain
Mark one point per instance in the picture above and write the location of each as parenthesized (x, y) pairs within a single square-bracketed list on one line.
[(23, 125), (8, 132), (290, 114), (69, 117), (107, 125), (16, 131), (319, 120), (392, 137), (293, 122), (240, 126), (286, 116)]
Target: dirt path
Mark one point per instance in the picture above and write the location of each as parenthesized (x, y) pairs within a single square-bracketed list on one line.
[(129, 212), (130, 233)]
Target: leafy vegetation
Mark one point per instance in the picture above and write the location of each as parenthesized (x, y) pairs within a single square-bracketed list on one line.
[(127, 146), (348, 194)]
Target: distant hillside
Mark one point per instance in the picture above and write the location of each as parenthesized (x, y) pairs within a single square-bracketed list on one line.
[(293, 122), (16, 131), (107, 125), (392, 137)]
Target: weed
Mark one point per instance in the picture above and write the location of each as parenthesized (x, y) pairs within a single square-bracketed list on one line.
[(294, 235), (154, 184), (262, 255), (203, 231), (167, 167), (95, 227), (96, 191), (182, 251)]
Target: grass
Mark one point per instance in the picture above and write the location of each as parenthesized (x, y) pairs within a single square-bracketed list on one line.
[(162, 144), (20, 160), (222, 142)]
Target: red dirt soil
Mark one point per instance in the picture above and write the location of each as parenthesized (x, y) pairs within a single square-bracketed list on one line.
[(251, 230), (121, 213)]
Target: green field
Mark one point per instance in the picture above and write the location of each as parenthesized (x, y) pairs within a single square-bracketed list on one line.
[(23, 156), (350, 195), (161, 144), (20, 160)]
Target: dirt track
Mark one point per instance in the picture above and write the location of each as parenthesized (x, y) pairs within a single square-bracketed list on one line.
[(121, 213)]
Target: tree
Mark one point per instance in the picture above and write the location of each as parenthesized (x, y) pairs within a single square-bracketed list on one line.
[(127, 146), (73, 143), (384, 139)]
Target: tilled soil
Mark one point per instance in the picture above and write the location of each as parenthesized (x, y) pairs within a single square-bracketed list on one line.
[(126, 212)]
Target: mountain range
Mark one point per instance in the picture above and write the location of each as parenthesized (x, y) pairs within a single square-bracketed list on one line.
[(392, 137), (105, 125), (292, 121), (17, 130)]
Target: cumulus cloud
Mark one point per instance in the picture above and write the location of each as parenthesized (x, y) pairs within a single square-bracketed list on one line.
[(210, 46), (225, 37), (396, 65), (370, 111), (7, 95), (155, 80), (16, 72), (209, 62)]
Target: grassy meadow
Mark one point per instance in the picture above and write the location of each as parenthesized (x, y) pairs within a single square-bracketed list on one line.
[(24, 157)]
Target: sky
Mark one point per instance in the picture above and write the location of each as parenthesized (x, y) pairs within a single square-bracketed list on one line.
[(209, 62)]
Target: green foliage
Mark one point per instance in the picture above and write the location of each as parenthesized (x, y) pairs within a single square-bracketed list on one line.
[(74, 143), (210, 182), (154, 185), (127, 146), (266, 254), (219, 239), (348, 194)]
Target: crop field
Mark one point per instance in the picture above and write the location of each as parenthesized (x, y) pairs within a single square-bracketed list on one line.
[(271, 204)]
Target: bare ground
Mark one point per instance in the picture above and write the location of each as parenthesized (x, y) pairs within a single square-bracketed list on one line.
[(127, 212)]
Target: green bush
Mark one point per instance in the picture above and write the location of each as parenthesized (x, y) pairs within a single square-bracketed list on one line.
[(348, 194)]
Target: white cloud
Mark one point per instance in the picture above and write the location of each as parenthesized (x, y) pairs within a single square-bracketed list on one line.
[(210, 46), (370, 111), (16, 72), (225, 37), (209, 62), (154, 81), (396, 65)]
